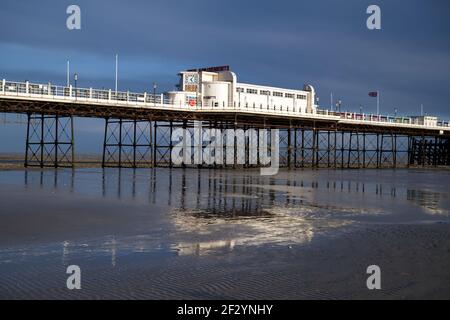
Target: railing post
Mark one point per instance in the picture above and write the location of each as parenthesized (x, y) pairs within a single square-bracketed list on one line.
[(109, 95), (162, 98), (27, 87), (49, 91), (3, 85), (90, 93), (70, 91), (145, 97), (128, 96)]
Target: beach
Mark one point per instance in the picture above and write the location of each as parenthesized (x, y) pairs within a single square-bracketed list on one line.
[(224, 234)]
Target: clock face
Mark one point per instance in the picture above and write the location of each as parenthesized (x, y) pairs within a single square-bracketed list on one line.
[(191, 78)]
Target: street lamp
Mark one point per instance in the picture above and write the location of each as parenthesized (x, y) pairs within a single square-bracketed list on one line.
[(154, 93), (75, 78), (338, 105)]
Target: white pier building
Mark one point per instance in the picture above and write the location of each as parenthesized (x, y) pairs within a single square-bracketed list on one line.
[(219, 87)]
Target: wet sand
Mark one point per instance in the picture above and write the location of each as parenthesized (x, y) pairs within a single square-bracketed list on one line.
[(205, 234)]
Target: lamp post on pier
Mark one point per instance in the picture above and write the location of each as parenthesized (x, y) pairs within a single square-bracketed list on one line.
[(154, 94), (75, 78), (338, 105)]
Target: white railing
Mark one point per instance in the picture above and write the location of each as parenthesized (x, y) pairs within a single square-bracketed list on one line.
[(54, 91), (46, 91)]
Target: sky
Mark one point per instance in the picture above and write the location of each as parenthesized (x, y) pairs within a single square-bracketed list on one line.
[(325, 43)]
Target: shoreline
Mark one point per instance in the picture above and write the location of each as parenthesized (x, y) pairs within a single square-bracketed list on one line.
[(84, 161)]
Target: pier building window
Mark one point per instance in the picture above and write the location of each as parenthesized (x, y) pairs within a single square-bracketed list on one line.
[(253, 91), (277, 94), (301, 96), (264, 92), (239, 89), (289, 95)]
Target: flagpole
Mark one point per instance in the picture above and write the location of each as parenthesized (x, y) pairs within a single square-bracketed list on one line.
[(117, 66), (68, 72), (378, 102), (331, 101)]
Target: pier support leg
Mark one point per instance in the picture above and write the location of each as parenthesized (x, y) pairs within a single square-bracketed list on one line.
[(289, 142), (364, 151), (379, 150), (295, 147), (394, 150), (315, 149), (49, 141), (127, 143)]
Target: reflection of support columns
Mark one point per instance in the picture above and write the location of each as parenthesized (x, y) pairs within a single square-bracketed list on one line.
[(49, 141)]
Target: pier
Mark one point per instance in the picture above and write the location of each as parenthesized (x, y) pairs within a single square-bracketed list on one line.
[(139, 126)]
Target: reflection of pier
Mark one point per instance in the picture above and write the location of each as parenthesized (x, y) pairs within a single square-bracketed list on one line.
[(429, 201), (200, 248), (219, 210), (219, 193)]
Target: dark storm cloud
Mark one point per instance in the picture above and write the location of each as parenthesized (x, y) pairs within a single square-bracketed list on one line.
[(285, 43)]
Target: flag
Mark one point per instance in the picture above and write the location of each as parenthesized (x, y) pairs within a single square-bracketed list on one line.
[(373, 94)]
